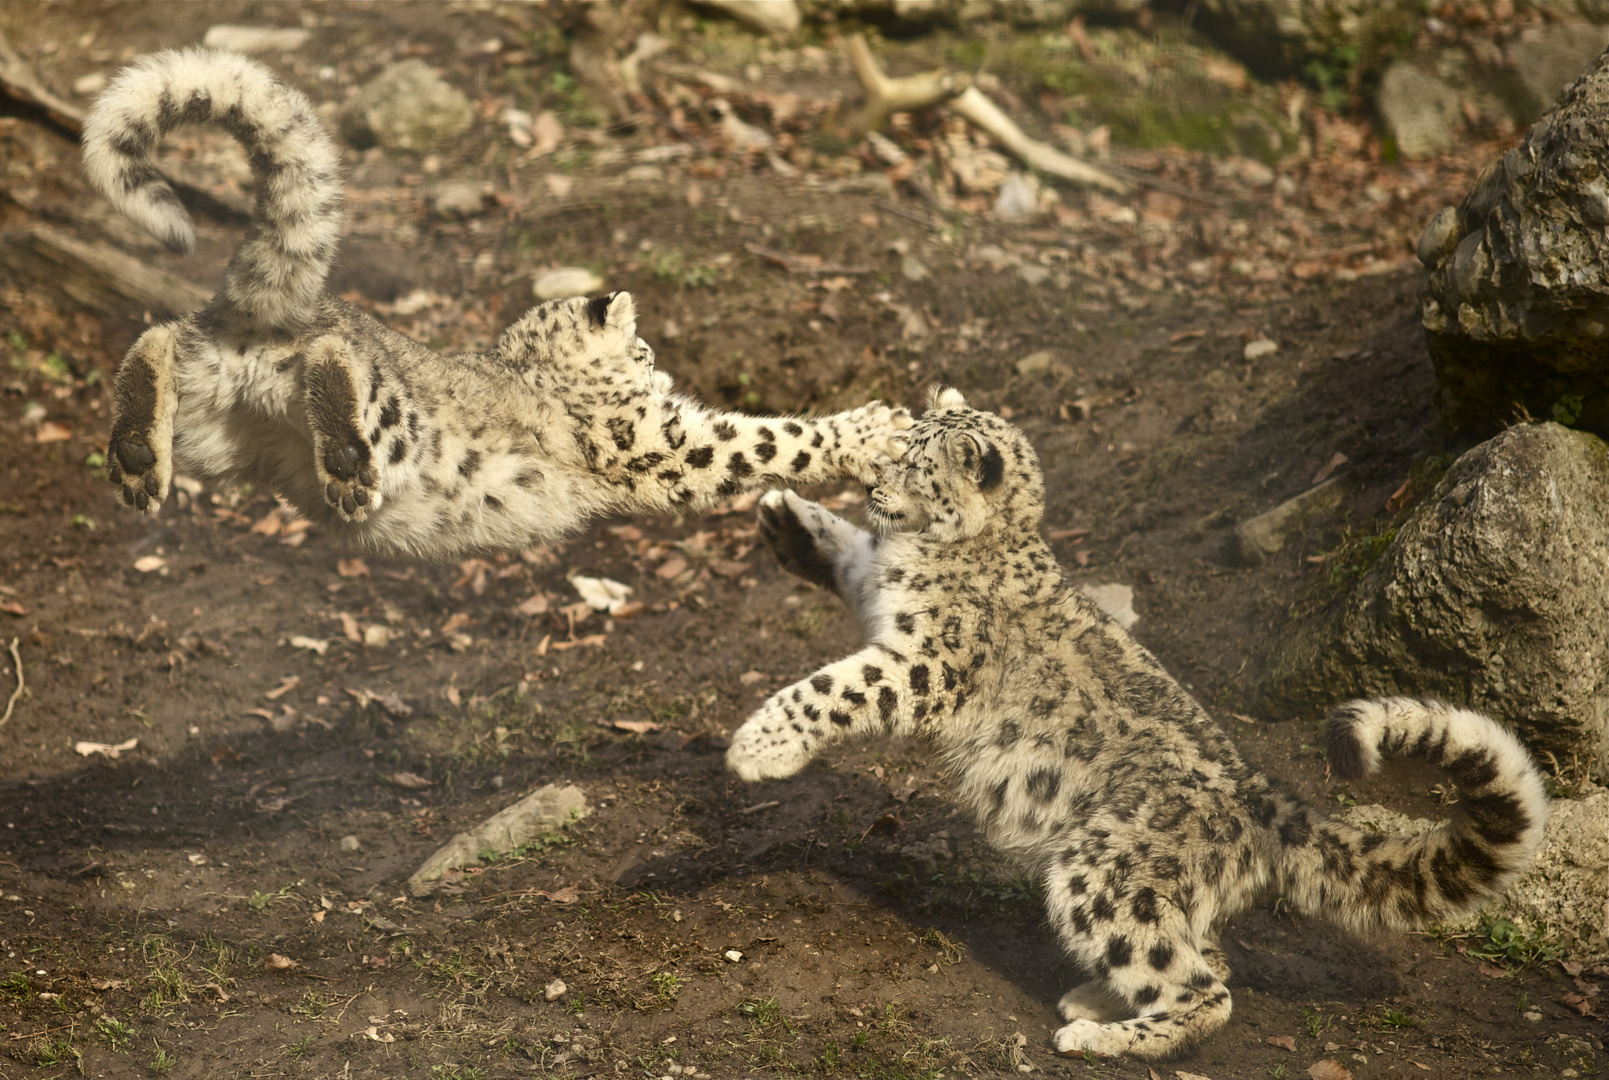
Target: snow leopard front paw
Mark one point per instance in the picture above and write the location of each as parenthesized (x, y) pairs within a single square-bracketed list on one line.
[(767, 747), (139, 457), (805, 537), (873, 438)]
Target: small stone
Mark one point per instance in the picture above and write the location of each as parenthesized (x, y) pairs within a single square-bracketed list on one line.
[(460, 198), (1256, 350), (1419, 110), (1033, 274), (912, 269), (406, 107), (255, 39), (350, 843), (1265, 534), (1532, 1015), (565, 281), (555, 990), (1018, 197), (1035, 362), (733, 956), (90, 85)]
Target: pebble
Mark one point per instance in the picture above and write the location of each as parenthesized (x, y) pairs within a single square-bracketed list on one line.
[(733, 956), (350, 843), (555, 990), (1262, 347), (255, 39)]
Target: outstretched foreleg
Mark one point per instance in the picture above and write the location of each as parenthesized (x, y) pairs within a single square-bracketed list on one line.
[(860, 696)]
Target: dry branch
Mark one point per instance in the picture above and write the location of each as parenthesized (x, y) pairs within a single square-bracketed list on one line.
[(16, 658), (90, 271), (885, 95), (18, 82)]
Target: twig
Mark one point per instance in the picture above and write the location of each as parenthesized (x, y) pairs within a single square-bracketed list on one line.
[(885, 96), (18, 82), (16, 658)]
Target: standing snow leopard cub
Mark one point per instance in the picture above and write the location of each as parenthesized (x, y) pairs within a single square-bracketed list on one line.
[(1082, 758), (394, 446)]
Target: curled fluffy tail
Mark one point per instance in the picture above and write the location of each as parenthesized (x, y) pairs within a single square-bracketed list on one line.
[(276, 278), (1365, 880)]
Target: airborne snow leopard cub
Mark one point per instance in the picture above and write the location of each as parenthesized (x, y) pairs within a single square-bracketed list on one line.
[(1079, 755), (397, 447)]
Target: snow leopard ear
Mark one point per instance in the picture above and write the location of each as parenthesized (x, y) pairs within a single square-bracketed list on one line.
[(614, 309), (945, 397), (976, 457)]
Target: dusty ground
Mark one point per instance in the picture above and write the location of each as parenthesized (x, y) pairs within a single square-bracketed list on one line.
[(143, 896)]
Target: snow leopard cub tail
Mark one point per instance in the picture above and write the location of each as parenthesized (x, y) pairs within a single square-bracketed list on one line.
[(276, 278), (1365, 880)]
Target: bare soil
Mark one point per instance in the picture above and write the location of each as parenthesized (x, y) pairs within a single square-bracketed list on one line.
[(148, 899)]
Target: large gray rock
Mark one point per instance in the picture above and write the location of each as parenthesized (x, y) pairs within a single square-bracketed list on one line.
[(1549, 56), (406, 107), (1419, 109), (1283, 38), (1494, 595), (1516, 305)]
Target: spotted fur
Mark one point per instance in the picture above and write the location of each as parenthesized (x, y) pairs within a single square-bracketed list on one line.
[(1082, 758), (389, 444)]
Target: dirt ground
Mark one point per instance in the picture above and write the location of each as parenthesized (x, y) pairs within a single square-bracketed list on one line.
[(226, 898)]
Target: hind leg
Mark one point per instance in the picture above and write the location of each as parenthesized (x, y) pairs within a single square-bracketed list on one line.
[(344, 460), (1091, 1001), (144, 401), (1154, 997)]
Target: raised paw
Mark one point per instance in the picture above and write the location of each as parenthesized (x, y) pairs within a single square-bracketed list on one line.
[(805, 538), (141, 476), (767, 747), (349, 482)]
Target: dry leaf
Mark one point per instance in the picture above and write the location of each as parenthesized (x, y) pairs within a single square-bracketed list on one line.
[(285, 686), (270, 525), (749, 678), (670, 568), (352, 568), (1492, 972), (148, 563), (454, 622), (316, 645), (638, 727), (11, 607), (276, 962), (110, 750), (50, 431), (349, 627), (1416, 1065), (729, 568), (1329, 467), (408, 780), (567, 895), (536, 605), (590, 641), (1284, 1042), (1328, 1069), (601, 594)]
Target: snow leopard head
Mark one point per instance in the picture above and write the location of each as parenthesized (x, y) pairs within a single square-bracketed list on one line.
[(966, 472)]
